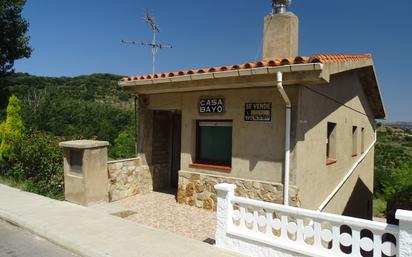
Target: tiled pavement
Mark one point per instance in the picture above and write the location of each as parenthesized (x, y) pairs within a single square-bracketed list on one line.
[(160, 210)]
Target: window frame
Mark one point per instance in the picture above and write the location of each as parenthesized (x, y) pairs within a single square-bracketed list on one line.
[(355, 139), (362, 140), (212, 163), (331, 156)]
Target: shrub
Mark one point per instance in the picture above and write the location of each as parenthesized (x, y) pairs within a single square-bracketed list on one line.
[(11, 129), (37, 160), (124, 145)]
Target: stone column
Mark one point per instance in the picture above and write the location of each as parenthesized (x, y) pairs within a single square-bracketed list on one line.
[(85, 171), (405, 233), (225, 192)]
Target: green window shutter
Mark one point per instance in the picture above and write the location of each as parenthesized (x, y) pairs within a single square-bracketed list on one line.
[(215, 144)]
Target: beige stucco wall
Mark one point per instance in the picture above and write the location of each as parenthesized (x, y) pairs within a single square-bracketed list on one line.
[(314, 178), (91, 184), (257, 147)]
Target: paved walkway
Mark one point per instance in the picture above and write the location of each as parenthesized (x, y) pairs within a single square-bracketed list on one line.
[(160, 210), (90, 233)]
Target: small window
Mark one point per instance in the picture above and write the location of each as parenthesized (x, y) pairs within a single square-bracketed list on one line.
[(363, 140), (331, 143), (214, 143), (354, 141), (76, 161)]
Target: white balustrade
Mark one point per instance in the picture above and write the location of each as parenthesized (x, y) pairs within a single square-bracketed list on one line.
[(295, 230)]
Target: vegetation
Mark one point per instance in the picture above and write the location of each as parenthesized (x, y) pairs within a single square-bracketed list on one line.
[(14, 43), (89, 107), (393, 167), (54, 110), (10, 130)]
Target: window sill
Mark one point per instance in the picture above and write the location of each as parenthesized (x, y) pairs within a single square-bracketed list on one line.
[(331, 161), (212, 167)]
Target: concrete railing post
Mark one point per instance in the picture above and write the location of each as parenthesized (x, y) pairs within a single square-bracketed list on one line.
[(225, 193), (405, 233)]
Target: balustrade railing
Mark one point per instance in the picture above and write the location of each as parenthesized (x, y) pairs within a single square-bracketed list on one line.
[(309, 233)]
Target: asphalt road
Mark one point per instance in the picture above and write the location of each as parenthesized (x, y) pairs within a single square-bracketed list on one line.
[(15, 242)]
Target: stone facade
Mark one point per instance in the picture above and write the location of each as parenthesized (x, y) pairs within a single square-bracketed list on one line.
[(127, 178), (197, 189)]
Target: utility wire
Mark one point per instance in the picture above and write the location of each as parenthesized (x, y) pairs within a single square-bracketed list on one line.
[(336, 101)]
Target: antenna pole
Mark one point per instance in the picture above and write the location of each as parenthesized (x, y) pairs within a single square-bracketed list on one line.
[(154, 51), (154, 44)]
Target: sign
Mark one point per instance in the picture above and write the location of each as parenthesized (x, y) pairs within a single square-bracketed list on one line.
[(258, 111), (212, 105)]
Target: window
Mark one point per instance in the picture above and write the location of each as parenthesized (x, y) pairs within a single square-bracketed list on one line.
[(354, 141), (331, 143), (214, 143), (362, 140), (76, 161)]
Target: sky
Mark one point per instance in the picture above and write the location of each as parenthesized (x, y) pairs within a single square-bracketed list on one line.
[(79, 37)]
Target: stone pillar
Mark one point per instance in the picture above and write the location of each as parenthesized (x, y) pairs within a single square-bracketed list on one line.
[(225, 192), (85, 171), (405, 233), (281, 36)]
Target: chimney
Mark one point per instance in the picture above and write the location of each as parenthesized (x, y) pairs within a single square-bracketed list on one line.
[(280, 34)]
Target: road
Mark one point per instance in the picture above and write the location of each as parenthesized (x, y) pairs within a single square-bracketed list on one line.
[(15, 242)]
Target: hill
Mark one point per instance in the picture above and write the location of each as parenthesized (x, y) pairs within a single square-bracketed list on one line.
[(393, 165), (91, 106), (400, 124)]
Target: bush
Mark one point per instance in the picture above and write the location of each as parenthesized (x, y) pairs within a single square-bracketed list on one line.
[(37, 161), (11, 129), (124, 145), (400, 200)]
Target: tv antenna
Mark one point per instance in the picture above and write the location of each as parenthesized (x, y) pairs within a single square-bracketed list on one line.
[(154, 44)]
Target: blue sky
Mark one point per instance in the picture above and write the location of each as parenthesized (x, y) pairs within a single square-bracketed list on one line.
[(80, 37)]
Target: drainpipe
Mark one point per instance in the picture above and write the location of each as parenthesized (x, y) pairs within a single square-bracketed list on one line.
[(285, 97)]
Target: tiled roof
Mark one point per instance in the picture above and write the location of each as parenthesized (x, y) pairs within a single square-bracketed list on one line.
[(319, 58)]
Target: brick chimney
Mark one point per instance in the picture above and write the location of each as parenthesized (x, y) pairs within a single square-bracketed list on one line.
[(281, 31)]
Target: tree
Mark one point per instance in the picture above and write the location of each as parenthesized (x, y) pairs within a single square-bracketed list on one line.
[(12, 129), (14, 43)]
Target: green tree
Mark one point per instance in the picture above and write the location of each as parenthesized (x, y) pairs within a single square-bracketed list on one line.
[(124, 144), (11, 130), (14, 43)]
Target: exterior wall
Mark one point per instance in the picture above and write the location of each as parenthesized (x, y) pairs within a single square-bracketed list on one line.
[(315, 178), (354, 198), (257, 147), (127, 178), (197, 189)]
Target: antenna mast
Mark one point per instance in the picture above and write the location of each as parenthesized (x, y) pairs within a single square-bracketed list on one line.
[(154, 44)]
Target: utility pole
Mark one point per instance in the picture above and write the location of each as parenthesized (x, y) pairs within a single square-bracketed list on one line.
[(154, 44)]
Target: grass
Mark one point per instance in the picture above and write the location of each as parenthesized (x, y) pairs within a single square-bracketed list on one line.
[(28, 187), (14, 183)]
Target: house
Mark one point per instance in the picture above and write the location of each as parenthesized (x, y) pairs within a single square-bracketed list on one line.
[(288, 129)]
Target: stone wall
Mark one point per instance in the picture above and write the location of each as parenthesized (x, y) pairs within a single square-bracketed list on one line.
[(127, 178), (197, 189)]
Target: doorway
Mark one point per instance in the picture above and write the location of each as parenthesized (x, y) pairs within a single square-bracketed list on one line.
[(166, 148)]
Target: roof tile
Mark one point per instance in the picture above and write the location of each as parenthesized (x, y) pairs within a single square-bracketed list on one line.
[(318, 58)]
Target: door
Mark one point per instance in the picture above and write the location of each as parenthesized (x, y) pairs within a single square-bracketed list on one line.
[(176, 148)]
